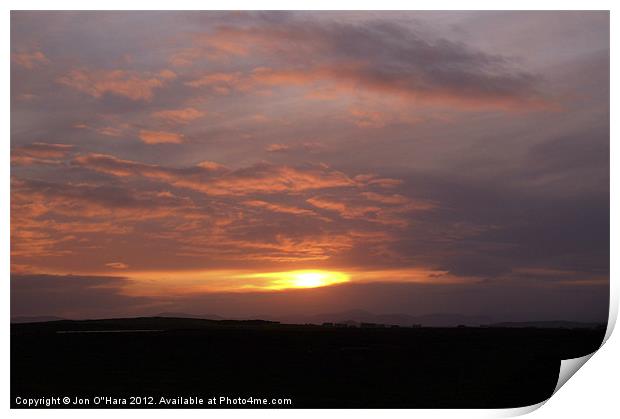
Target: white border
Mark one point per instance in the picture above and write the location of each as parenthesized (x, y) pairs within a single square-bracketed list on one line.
[(592, 393)]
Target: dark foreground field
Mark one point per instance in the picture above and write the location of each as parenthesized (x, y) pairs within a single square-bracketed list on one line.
[(313, 366)]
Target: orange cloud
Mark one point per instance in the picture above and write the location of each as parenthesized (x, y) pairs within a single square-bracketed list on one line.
[(107, 130), (211, 165), (282, 248), (52, 219), (227, 42), (395, 199), (236, 217), (110, 131), (44, 150), (114, 166), (345, 210), (287, 76), (354, 77), (353, 61), (233, 222), (117, 265), (274, 148), (385, 182), (260, 178), (382, 209), (160, 137), (368, 119), (178, 116), (185, 57), (130, 84), (85, 200), (39, 153), (308, 147), (29, 60), (279, 208), (221, 83)]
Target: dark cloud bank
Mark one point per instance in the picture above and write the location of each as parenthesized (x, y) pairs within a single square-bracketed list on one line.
[(98, 297)]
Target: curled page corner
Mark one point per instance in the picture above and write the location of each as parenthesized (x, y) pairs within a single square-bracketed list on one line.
[(568, 368), (519, 411)]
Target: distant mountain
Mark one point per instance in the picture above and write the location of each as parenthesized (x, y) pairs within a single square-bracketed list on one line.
[(353, 318), (190, 316), (361, 316), (555, 324), (34, 319), (139, 324), (450, 320)]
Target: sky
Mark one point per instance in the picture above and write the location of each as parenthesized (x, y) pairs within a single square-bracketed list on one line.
[(296, 163)]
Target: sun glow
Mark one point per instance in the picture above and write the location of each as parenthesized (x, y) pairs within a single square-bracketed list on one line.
[(309, 279), (300, 279), (167, 283)]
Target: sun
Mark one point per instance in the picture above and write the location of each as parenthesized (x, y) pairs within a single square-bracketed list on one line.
[(307, 279), (310, 279), (299, 279)]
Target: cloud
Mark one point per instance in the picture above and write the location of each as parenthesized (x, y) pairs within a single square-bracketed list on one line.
[(211, 165), (239, 214), (81, 297), (54, 219), (347, 211), (91, 198), (110, 131), (107, 130), (39, 153), (258, 178), (117, 265), (281, 247), (160, 137), (221, 83), (285, 209), (222, 44), (372, 207), (117, 167), (368, 119), (29, 59), (227, 42), (381, 114), (380, 57), (130, 84), (276, 148), (44, 150), (178, 116), (396, 199), (477, 90), (72, 296), (308, 147)]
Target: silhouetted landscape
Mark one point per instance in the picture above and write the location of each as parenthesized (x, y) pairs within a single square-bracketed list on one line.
[(315, 366), (358, 317)]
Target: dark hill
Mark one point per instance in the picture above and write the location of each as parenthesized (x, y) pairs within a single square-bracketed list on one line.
[(314, 366)]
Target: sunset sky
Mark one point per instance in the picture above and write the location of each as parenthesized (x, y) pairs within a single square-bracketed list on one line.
[(289, 163)]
